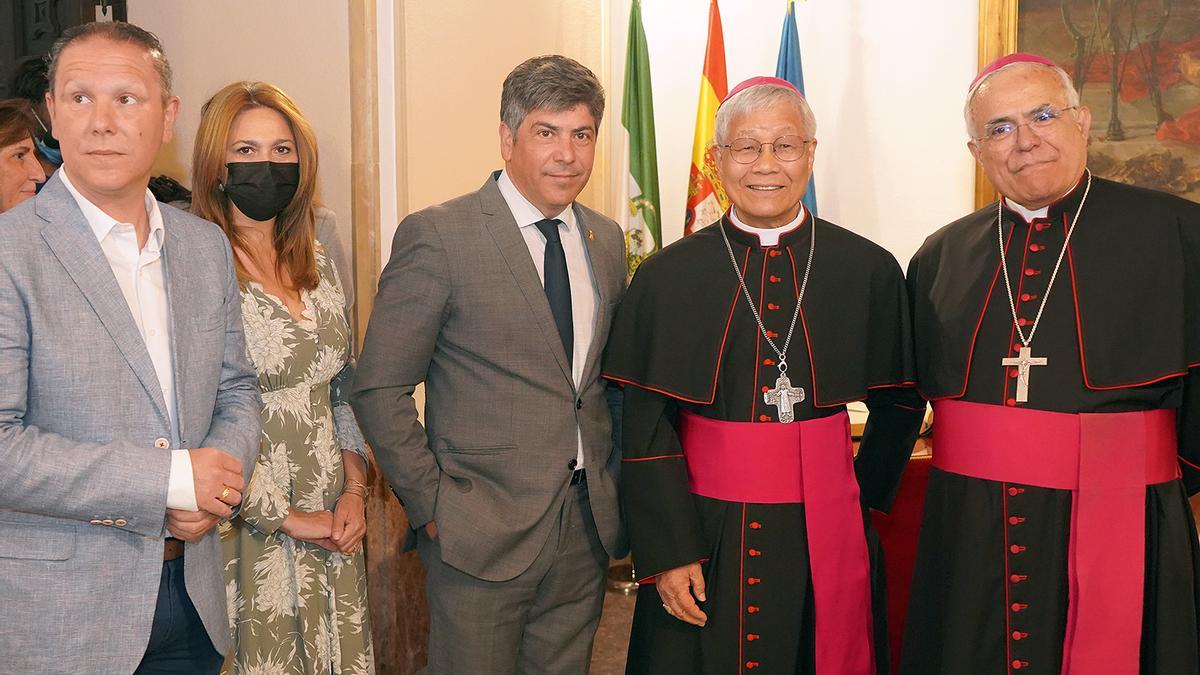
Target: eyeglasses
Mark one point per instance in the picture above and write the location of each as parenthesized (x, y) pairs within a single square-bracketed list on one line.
[(785, 148), (1005, 131)]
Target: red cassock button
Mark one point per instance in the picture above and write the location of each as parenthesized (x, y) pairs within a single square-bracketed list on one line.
[(1012, 372), (1018, 606), (755, 525), (765, 388), (752, 609), (1014, 491), (1017, 578), (1029, 272), (1015, 549), (764, 418), (1017, 347), (1018, 635), (774, 279), (751, 665), (774, 253), (771, 305), (768, 362), (753, 580), (772, 334), (1023, 322), (754, 553), (1010, 402), (1016, 664), (751, 637)]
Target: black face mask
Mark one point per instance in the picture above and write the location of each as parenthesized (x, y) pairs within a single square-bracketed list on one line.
[(262, 189)]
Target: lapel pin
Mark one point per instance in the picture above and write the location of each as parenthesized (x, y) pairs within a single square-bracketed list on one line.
[(591, 236)]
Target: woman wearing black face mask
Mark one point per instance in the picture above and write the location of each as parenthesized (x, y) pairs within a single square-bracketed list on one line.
[(294, 562)]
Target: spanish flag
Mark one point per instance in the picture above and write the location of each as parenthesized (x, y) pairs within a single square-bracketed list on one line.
[(706, 201)]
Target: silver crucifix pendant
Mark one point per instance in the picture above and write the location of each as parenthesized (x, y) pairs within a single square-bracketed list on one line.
[(783, 397), (1023, 360)]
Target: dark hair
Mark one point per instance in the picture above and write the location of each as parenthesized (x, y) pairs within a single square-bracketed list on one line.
[(116, 31), (551, 82), (29, 80), (17, 122)]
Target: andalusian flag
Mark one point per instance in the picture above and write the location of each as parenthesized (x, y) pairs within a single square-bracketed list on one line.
[(643, 228), (706, 201), (788, 68)]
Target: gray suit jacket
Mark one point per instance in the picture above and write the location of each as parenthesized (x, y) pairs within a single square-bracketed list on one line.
[(461, 308), (83, 487)]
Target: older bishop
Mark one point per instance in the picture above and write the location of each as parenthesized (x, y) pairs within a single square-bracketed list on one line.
[(1058, 335), (739, 347)]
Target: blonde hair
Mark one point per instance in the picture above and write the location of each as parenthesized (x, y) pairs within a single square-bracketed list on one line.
[(295, 236)]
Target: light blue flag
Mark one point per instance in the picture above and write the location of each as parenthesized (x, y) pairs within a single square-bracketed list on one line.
[(789, 68)]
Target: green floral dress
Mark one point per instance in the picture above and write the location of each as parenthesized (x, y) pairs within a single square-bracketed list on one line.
[(294, 607)]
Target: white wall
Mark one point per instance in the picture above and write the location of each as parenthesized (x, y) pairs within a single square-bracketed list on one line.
[(456, 56), (304, 48), (885, 79)]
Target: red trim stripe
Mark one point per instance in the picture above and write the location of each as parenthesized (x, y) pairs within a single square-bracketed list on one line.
[(978, 324), (762, 289), (1007, 573), (647, 459)]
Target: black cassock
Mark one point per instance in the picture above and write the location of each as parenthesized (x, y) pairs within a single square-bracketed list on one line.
[(684, 339), (1121, 332)]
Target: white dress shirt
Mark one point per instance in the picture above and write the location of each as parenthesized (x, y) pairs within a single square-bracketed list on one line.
[(766, 236), (585, 298), (142, 278)]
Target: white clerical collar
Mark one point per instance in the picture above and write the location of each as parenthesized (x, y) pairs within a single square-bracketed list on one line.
[(102, 223), (1025, 213), (766, 236), (524, 212)]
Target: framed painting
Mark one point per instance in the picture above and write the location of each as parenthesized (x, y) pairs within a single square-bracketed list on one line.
[(1136, 64)]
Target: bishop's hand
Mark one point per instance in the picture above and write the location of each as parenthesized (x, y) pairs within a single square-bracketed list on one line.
[(679, 589)]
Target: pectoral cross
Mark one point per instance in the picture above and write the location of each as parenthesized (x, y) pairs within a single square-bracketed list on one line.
[(783, 397), (1023, 360)]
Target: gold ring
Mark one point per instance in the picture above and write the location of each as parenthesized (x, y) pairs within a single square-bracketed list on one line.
[(224, 493)]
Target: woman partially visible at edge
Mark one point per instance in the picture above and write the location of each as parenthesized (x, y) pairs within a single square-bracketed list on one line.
[(295, 575)]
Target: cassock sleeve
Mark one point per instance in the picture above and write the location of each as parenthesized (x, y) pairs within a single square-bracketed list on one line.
[(660, 512), (887, 443), (896, 409), (1189, 412)]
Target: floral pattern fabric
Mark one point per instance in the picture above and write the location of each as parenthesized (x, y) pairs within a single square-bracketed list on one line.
[(296, 608)]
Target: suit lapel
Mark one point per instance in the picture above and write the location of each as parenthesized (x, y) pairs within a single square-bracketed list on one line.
[(504, 231), (605, 279), (72, 241), (180, 291)]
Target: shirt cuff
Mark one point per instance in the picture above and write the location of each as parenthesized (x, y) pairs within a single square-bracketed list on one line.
[(181, 489)]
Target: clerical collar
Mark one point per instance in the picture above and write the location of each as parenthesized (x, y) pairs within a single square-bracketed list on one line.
[(766, 236), (1025, 213), (1063, 203)]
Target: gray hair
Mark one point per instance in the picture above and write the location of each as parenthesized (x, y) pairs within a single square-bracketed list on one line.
[(761, 97), (1068, 88), (551, 82), (116, 31)]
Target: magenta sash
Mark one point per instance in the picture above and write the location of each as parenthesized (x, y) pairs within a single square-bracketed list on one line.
[(810, 462), (1106, 460)]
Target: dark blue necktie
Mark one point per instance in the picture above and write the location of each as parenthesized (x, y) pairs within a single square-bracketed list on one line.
[(558, 284)]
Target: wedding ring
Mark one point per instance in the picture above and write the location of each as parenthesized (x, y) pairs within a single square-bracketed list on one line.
[(224, 493)]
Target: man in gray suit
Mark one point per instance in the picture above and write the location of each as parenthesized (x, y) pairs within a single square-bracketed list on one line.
[(500, 301), (128, 409)]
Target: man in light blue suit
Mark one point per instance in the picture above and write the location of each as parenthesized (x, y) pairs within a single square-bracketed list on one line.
[(128, 409)]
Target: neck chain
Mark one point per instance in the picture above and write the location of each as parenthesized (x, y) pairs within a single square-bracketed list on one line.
[(784, 395), (1025, 359)]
